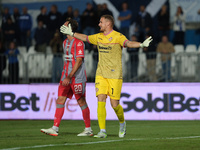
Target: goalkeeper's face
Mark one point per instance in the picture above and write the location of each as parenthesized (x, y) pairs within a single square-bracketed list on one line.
[(102, 24)]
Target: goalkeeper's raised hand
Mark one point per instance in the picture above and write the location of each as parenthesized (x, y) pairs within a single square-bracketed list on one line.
[(146, 42), (66, 30)]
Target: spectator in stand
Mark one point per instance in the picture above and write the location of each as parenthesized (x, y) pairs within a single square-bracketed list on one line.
[(25, 25), (67, 14), (15, 18), (54, 20), (125, 18), (99, 10), (144, 23), (88, 21), (133, 55), (166, 48), (9, 31), (151, 60), (179, 26), (43, 15), (163, 22), (41, 37), (77, 17), (2, 61), (57, 48), (12, 53), (16, 15), (105, 10), (5, 15)]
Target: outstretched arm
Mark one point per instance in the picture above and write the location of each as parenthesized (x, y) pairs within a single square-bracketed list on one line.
[(133, 44), (68, 30), (82, 37)]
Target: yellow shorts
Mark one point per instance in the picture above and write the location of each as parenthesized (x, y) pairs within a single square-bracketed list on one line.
[(110, 87)]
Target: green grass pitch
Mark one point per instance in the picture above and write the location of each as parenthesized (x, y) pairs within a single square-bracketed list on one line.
[(141, 135)]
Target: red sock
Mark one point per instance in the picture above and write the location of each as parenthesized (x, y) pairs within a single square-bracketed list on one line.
[(58, 114), (86, 116)]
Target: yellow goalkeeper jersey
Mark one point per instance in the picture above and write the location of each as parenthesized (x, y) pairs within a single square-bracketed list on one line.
[(110, 53)]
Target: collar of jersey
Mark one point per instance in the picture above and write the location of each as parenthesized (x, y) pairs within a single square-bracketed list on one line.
[(108, 33)]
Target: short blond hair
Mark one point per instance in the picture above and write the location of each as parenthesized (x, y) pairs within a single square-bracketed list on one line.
[(110, 18)]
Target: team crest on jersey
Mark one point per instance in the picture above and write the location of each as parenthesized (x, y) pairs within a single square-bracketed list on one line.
[(110, 39), (80, 52), (96, 89), (79, 44)]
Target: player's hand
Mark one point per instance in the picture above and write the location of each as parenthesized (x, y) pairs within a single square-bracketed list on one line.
[(66, 30), (146, 42), (66, 81)]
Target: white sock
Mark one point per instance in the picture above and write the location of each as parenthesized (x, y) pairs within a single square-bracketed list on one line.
[(122, 124), (55, 128), (88, 129), (103, 130)]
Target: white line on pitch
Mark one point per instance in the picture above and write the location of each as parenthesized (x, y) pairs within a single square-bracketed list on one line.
[(98, 142)]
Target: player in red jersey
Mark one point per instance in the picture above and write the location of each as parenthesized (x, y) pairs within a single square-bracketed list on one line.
[(73, 81)]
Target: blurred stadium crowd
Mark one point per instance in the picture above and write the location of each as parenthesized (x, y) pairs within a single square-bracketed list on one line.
[(36, 56)]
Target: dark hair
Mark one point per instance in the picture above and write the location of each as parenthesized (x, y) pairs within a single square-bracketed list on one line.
[(42, 7), (74, 24), (110, 18), (180, 9)]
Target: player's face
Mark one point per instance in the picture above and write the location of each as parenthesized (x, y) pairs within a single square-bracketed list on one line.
[(102, 24)]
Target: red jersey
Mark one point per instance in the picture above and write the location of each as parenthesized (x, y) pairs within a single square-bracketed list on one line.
[(73, 50)]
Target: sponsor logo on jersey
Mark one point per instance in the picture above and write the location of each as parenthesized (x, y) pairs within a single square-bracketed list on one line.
[(79, 44), (80, 52), (105, 48), (96, 89), (68, 57), (100, 38)]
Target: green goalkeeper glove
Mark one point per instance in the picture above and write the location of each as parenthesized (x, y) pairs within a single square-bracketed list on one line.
[(146, 42), (66, 30)]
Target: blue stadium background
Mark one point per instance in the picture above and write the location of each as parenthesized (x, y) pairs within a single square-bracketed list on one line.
[(192, 36)]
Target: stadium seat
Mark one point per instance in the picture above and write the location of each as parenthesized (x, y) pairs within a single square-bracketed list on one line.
[(191, 48), (142, 63), (47, 72), (189, 62), (158, 64), (173, 65), (48, 50), (178, 48), (125, 53), (198, 50), (174, 58), (22, 71), (89, 63), (189, 65), (36, 65), (22, 50), (5, 71), (31, 50)]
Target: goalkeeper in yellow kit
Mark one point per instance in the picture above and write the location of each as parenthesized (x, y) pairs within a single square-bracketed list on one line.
[(108, 80)]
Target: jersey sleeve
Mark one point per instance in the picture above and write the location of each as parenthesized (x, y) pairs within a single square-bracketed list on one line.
[(122, 40), (80, 49), (92, 39)]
